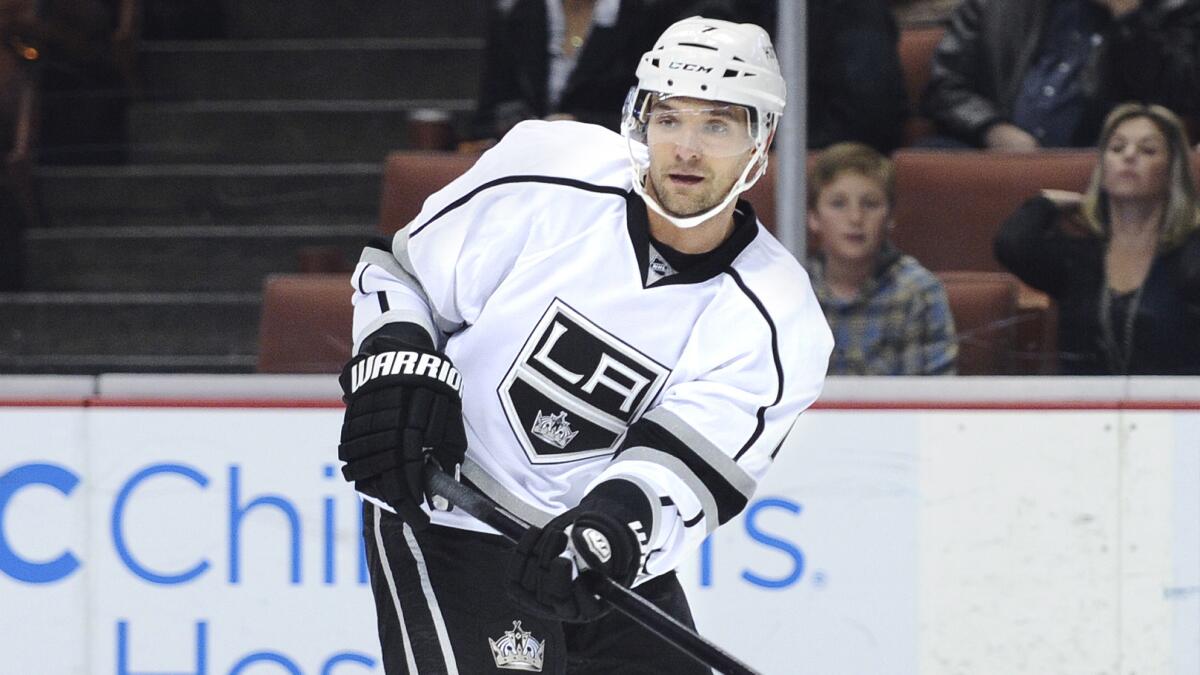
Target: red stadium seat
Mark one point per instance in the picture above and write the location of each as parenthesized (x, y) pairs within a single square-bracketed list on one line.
[(984, 305), (410, 177), (305, 323), (949, 204)]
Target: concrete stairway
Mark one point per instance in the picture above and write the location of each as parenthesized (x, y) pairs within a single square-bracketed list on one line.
[(244, 152)]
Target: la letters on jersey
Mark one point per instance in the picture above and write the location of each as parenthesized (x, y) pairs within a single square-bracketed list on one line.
[(574, 388)]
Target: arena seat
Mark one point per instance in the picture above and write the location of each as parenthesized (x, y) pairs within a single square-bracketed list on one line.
[(409, 177), (305, 323), (949, 204), (984, 306), (1037, 333)]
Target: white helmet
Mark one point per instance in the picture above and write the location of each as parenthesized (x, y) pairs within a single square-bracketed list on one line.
[(713, 60)]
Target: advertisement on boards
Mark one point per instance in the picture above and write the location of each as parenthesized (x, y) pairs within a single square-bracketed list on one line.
[(819, 573), (223, 540), (181, 541)]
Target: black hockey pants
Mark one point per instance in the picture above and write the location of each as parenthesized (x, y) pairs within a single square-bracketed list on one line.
[(442, 609)]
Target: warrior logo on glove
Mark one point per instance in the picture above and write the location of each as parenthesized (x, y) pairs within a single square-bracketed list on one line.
[(403, 410), (404, 363)]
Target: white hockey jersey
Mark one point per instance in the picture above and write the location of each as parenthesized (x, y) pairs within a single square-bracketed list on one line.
[(535, 272)]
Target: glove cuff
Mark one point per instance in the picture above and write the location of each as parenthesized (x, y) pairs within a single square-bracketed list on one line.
[(398, 335), (603, 542), (622, 512), (627, 502)]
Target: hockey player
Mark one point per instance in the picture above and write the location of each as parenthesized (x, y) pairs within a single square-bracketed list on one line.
[(596, 333)]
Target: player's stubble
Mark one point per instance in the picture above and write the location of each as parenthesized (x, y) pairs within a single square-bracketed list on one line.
[(688, 200)]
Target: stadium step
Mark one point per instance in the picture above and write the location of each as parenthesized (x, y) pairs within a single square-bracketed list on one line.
[(128, 332), (275, 130), (176, 258), (210, 194), (329, 69), (259, 135)]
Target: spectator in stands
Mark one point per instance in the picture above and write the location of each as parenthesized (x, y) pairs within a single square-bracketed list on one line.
[(855, 84), (1122, 260), (1021, 74), (889, 315), (573, 59)]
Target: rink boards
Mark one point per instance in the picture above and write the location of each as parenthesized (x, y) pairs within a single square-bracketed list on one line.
[(165, 525)]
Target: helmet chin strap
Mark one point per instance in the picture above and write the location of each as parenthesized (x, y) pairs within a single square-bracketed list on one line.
[(641, 175)]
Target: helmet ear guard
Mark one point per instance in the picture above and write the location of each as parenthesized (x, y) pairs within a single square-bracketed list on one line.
[(707, 59)]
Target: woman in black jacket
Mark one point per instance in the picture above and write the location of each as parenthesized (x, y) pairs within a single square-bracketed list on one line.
[(1123, 260)]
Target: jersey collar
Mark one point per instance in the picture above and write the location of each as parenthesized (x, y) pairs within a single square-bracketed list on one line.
[(703, 267)]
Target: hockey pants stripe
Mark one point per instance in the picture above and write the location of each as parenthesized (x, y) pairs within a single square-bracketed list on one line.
[(413, 617)]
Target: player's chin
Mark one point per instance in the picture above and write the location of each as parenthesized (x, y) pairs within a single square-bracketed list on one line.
[(686, 205), (684, 209)]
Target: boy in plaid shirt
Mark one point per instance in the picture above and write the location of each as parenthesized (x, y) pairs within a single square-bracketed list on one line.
[(889, 315)]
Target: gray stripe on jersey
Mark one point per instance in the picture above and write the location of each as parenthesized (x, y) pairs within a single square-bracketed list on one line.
[(393, 316), (677, 467), (439, 624), (374, 256), (705, 449), (499, 494), (382, 260), (391, 582), (400, 250), (406, 272)]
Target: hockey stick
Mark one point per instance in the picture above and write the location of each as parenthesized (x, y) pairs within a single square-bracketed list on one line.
[(623, 599)]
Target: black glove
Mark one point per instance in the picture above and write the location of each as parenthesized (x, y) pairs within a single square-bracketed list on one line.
[(402, 407), (599, 538)]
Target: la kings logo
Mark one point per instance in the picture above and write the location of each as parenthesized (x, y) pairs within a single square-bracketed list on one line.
[(517, 649), (574, 388)]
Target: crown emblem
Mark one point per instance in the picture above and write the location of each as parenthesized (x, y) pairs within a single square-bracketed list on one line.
[(554, 429), (517, 649)]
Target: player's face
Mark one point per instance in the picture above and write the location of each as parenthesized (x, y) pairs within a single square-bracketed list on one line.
[(698, 150), (1136, 161), (851, 217)]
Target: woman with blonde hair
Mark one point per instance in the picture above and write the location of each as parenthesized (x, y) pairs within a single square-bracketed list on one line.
[(1122, 260)]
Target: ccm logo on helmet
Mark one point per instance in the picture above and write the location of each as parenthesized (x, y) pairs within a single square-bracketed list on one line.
[(689, 67), (404, 363)]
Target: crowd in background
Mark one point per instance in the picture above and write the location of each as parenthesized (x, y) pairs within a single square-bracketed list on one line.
[(1010, 75), (1121, 260)]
